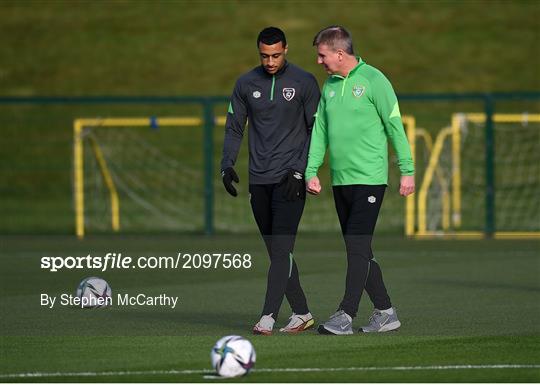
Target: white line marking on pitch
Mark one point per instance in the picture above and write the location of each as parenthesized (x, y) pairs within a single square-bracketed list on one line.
[(271, 370)]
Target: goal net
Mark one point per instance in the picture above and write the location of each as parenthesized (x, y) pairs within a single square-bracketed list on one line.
[(454, 188), (136, 175), (152, 175)]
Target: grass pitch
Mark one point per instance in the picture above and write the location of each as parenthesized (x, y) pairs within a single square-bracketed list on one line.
[(467, 307)]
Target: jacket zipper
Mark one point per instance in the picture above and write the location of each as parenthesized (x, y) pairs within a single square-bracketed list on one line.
[(343, 86), (272, 90)]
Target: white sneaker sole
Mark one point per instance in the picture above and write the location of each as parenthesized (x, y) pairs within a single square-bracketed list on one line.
[(263, 332), (386, 328)]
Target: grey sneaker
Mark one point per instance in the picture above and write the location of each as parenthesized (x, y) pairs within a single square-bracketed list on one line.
[(340, 323), (381, 322)]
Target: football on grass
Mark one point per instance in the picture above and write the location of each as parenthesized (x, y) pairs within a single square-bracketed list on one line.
[(94, 292), (233, 356)]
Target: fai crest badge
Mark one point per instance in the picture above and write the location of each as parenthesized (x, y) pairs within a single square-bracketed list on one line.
[(358, 91), (288, 94), (256, 94)]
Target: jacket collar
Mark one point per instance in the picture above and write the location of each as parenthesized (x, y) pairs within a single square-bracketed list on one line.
[(351, 72), (280, 72)]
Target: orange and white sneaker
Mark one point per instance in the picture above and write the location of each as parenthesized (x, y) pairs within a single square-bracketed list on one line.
[(298, 323), (265, 325)]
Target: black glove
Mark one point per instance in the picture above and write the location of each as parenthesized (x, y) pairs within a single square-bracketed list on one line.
[(229, 175), (295, 186)]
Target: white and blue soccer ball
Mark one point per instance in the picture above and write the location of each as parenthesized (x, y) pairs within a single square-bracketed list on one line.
[(233, 356), (94, 292)]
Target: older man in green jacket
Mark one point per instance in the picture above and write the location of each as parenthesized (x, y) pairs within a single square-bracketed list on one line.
[(357, 114)]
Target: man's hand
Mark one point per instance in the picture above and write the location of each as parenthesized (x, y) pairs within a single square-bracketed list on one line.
[(294, 185), (406, 186), (229, 175), (313, 186)]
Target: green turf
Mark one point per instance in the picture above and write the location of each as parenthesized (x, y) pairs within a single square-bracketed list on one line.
[(172, 47), (460, 302)]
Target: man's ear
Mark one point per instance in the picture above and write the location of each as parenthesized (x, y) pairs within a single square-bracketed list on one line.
[(286, 49)]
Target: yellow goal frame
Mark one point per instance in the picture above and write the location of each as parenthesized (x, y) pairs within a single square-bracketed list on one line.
[(78, 159), (416, 212)]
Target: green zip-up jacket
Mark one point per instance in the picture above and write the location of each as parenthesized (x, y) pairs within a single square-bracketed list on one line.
[(355, 116)]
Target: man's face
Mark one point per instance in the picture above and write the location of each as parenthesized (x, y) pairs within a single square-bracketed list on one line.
[(328, 58), (272, 56)]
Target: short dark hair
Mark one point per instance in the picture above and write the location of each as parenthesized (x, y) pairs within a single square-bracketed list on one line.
[(271, 36), (335, 37)]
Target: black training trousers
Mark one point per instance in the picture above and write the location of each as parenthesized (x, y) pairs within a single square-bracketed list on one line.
[(278, 219), (358, 207)]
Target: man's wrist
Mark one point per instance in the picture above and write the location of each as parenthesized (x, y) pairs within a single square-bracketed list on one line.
[(309, 175)]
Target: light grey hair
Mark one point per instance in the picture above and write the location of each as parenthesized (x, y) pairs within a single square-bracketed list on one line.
[(335, 37)]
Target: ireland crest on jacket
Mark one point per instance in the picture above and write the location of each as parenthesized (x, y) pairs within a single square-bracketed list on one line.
[(358, 91), (288, 94)]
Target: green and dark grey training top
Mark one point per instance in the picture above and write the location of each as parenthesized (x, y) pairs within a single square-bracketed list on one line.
[(356, 115), (280, 110)]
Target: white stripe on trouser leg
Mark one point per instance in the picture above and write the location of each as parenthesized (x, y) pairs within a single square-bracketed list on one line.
[(290, 264)]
